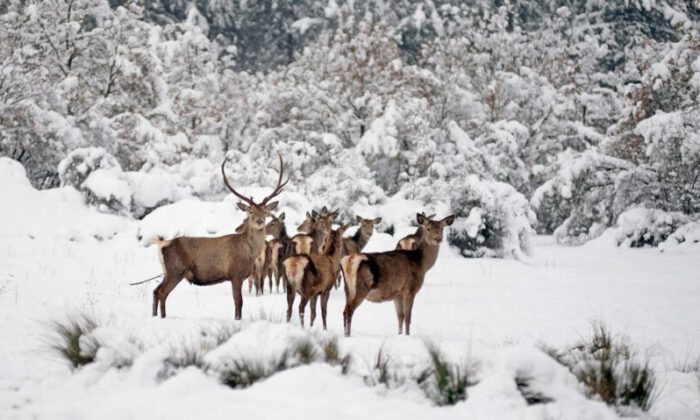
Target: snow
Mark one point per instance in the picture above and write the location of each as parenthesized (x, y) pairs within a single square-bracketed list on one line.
[(108, 185), (304, 24), (488, 311)]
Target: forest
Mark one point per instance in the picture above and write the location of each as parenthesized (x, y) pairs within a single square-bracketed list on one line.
[(566, 117)]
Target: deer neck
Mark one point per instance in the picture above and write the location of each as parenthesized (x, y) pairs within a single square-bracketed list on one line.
[(361, 238), (319, 237), (282, 237), (429, 254), (255, 240), (335, 249)]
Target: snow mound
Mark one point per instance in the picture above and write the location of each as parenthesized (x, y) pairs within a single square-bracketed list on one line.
[(59, 213)]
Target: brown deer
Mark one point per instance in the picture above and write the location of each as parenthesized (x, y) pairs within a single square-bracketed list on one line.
[(394, 275), (313, 275), (280, 247), (356, 243), (317, 230), (411, 241), (207, 261)]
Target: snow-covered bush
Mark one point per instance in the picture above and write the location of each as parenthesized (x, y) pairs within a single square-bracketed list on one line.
[(583, 190), (75, 168), (686, 235), (638, 227), (493, 219)]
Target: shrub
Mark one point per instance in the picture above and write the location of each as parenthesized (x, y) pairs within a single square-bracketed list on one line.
[(446, 382), (493, 219), (71, 339), (605, 365), (640, 227)]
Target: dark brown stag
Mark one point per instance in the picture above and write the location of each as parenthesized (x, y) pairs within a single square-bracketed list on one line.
[(394, 275), (207, 261)]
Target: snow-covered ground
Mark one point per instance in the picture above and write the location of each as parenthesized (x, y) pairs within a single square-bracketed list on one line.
[(491, 311)]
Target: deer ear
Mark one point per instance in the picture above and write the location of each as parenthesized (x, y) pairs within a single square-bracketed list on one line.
[(421, 219), (377, 220), (334, 215), (359, 219), (447, 221), (281, 216), (244, 207), (272, 206), (314, 214)]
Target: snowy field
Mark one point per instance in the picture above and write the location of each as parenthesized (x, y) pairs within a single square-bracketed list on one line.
[(58, 257)]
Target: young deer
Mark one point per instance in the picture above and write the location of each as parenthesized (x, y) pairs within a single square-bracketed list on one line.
[(411, 241), (357, 242), (313, 275), (394, 275), (206, 261), (280, 247)]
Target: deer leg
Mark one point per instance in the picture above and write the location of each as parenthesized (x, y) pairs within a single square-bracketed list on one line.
[(279, 276), (314, 299), (164, 290), (258, 285), (237, 286), (155, 299), (290, 301), (324, 306), (250, 285), (407, 309), (398, 303), (302, 309), (348, 313)]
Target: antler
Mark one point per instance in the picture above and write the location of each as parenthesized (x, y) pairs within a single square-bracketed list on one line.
[(228, 185), (280, 185)]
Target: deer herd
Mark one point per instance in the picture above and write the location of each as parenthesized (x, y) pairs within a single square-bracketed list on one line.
[(308, 264)]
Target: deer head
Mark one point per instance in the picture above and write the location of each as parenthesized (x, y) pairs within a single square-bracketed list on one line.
[(257, 212), (325, 219), (367, 225), (308, 225), (276, 225), (433, 229)]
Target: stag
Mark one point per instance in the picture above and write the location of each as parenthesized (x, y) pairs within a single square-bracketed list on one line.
[(313, 275), (207, 261), (394, 275)]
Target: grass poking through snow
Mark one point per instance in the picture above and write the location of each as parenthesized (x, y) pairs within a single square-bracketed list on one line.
[(606, 365), (70, 339), (446, 382)]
